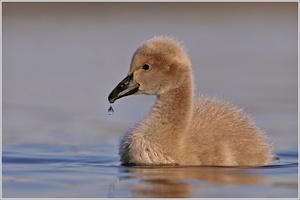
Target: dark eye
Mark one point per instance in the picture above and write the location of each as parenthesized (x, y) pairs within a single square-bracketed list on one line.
[(146, 67)]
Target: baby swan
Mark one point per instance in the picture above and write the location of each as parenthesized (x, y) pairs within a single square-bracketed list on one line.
[(181, 129)]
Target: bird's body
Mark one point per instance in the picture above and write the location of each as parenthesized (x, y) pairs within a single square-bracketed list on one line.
[(182, 129)]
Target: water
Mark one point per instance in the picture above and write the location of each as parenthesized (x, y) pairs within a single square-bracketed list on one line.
[(110, 110), (60, 62), (39, 170)]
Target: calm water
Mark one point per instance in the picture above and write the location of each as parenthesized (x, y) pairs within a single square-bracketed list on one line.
[(60, 62), (41, 170)]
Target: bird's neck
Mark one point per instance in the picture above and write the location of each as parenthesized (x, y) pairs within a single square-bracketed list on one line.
[(171, 115), (164, 130)]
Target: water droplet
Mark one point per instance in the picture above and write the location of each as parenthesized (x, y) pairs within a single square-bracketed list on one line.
[(110, 110)]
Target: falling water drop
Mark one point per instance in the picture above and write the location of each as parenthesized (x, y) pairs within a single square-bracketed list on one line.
[(110, 110)]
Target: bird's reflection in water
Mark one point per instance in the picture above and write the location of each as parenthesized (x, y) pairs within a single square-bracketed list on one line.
[(169, 181)]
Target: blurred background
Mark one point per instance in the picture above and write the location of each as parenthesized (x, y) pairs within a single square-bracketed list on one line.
[(61, 60)]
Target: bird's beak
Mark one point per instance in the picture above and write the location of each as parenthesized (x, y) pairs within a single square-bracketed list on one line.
[(126, 87)]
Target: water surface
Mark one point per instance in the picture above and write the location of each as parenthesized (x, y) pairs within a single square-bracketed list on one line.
[(94, 171)]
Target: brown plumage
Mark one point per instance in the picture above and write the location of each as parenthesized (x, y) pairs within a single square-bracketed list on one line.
[(181, 129)]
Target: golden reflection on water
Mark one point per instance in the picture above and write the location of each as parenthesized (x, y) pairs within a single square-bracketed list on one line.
[(177, 181)]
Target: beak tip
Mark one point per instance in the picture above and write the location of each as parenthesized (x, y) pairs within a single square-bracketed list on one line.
[(111, 99)]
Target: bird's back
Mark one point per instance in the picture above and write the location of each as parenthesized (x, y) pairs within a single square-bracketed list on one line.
[(221, 134)]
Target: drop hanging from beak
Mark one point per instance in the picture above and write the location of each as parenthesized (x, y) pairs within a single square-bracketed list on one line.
[(110, 110)]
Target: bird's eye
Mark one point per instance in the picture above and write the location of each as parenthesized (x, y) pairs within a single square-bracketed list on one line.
[(146, 67)]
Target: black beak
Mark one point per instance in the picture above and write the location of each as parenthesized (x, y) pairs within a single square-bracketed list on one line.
[(126, 87)]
